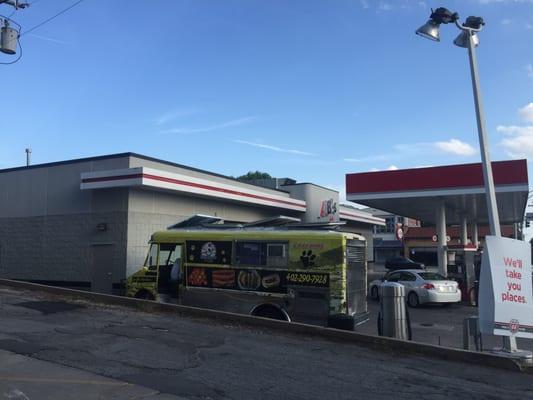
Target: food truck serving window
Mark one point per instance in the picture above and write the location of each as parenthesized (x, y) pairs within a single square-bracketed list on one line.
[(261, 253)]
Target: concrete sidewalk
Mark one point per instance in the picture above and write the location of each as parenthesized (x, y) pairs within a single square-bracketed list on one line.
[(25, 378)]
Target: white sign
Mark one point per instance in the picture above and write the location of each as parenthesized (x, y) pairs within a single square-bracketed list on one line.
[(505, 294), (329, 211), (399, 233), (436, 237)]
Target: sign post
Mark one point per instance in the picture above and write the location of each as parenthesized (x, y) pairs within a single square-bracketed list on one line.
[(505, 294)]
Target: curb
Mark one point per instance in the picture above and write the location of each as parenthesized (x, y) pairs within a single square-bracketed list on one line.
[(379, 343)]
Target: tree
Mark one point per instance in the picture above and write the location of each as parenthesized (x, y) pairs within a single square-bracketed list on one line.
[(254, 175)]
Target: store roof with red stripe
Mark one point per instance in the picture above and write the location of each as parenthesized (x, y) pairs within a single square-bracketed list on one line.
[(417, 192)]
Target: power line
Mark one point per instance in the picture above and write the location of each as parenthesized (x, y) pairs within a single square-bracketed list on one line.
[(51, 18)]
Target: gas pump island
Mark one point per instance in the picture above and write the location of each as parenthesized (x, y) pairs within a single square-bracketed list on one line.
[(454, 195)]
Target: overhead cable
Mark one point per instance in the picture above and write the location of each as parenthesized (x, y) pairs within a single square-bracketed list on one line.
[(51, 18)]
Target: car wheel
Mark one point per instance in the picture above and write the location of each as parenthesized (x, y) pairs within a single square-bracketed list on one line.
[(412, 300), (374, 294)]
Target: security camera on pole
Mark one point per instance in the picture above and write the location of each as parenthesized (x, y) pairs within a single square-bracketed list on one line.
[(505, 296)]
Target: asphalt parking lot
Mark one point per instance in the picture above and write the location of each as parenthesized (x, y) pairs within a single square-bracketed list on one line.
[(435, 324), (57, 349)]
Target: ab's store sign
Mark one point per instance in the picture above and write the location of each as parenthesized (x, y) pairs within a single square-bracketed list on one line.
[(505, 294)]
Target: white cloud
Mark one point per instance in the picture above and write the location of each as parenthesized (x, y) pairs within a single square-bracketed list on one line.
[(227, 124), (452, 146), (390, 5), (409, 150), (274, 148), (385, 6), (392, 168), (455, 146), (519, 140), (526, 113), (504, 1), (378, 157), (171, 115), (339, 187), (529, 69), (48, 39)]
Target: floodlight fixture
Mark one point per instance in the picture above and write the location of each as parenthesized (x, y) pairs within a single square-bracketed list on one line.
[(430, 30), (462, 39)]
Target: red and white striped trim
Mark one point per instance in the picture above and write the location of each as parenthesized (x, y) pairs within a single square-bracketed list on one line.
[(152, 178), (361, 216), (433, 192)]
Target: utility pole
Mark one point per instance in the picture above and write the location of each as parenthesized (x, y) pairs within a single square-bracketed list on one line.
[(9, 36), (28, 156)]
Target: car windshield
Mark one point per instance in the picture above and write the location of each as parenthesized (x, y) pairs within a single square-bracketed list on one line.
[(431, 276), (403, 260)]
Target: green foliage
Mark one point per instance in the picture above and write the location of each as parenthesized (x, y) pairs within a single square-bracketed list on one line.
[(254, 175)]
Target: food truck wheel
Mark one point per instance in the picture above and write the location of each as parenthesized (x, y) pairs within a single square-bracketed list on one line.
[(269, 311), (144, 294)]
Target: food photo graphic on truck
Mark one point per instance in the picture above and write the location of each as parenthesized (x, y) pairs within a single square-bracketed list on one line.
[(315, 276)]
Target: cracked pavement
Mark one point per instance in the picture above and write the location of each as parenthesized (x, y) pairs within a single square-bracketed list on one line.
[(129, 354)]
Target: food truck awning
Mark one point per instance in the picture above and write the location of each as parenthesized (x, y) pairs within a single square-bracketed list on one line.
[(418, 192)]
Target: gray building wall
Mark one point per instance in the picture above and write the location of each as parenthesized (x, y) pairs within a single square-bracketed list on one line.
[(151, 211), (314, 196), (52, 231), (48, 225)]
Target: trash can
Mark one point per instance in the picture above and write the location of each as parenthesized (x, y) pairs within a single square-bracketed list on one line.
[(393, 320)]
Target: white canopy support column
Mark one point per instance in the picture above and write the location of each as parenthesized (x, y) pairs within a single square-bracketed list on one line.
[(475, 238), (464, 232), (441, 241)]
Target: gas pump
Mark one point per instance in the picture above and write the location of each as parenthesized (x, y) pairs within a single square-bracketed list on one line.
[(462, 268)]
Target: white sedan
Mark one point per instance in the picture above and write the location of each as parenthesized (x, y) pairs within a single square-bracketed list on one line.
[(420, 287)]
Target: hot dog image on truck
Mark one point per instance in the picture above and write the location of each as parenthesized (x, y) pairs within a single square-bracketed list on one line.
[(309, 275)]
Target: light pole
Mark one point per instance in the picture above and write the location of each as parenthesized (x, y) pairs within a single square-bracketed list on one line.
[(468, 39)]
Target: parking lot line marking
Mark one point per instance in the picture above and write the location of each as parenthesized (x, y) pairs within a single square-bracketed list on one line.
[(53, 380)]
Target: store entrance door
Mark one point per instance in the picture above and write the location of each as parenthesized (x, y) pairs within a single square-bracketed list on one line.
[(101, 268)]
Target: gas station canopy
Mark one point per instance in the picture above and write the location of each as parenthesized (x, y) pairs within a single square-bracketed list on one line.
[(418, 192)]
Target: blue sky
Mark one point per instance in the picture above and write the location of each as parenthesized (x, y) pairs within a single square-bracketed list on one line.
[(308, 89)]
